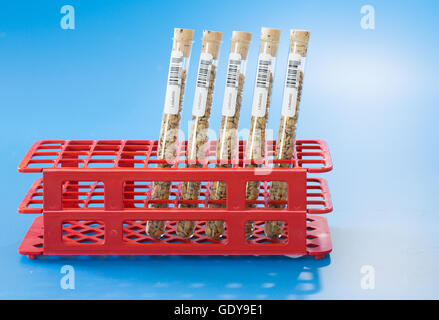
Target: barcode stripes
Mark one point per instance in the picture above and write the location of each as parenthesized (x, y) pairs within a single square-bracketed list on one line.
[(203, 74), (175, 71), (292, 74), (233, 73), (263, 75)]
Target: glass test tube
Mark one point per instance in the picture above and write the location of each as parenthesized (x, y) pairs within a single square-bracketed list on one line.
[(290, 111), (166, 149), (196, 148), (227, 142), (260, 107)]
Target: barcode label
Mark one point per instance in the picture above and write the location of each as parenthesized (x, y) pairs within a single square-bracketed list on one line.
[(263, 73), (202, 88), (204, 70), (292, 78), (172, 99), (232, 82), (292, 73), (260, 95), (233, 70)]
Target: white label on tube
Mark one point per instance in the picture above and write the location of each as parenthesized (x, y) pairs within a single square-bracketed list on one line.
[(292, 78), (232, 82), (260, 94), (202, 89), (172, 99)]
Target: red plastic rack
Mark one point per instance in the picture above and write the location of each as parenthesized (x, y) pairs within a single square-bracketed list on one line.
[(94, 198)]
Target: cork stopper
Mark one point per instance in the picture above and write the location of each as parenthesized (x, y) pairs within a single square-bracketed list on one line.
[(183, 41), (269, 41), (241, 43), (211, 43), (299, 41)]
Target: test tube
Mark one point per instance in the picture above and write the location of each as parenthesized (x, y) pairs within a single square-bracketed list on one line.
[(166, 149), (260, 107), (288, 122), (227, 142), (196, 148)]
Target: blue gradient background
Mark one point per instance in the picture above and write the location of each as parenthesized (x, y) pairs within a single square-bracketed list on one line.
[(371, 94)]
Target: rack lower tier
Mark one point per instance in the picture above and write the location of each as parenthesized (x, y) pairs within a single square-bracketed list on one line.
[(90, 235)]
